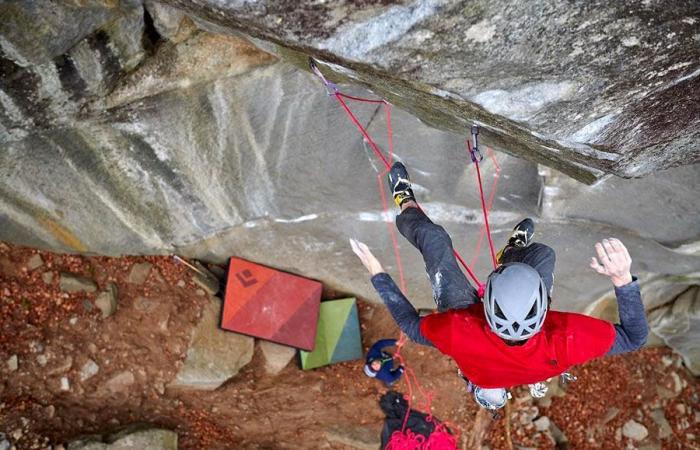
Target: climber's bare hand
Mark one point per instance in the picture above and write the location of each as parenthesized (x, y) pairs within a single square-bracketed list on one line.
[(370, 262), (613, 260)]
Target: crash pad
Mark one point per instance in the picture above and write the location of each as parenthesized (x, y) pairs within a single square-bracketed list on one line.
[(270, 304), (337, 337)]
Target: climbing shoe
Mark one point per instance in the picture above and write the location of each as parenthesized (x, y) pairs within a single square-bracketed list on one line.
[(520, 237), (400, 184)]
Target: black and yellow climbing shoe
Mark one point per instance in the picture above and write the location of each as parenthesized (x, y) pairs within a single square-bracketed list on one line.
[(400, 184), (520, 237)]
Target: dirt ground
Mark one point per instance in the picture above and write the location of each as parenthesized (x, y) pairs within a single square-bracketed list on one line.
[(53, 334)]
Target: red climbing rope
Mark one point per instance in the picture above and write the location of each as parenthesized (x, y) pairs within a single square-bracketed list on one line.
[(441, 438), (339, 96), (483, 205), (494, 186)]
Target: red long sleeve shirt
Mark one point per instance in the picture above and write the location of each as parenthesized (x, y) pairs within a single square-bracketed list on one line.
[(566, 339)]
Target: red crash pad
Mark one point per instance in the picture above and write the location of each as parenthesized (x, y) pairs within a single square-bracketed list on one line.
[(272, 305)]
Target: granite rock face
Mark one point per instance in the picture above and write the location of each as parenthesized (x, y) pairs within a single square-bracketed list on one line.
[(678, 324), (591, 89), (57, 57)]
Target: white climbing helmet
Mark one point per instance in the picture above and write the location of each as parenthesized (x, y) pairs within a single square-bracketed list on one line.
[(515, 301)]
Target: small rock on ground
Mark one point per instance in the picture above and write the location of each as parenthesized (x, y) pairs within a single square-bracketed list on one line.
[(542, 424), (106, 300), (74, 283), (635, 431), (277, 356), (120, 382), (660, 420), (12, 363), (677, 384), (47, 277), (139, 273), (60, 365), (89, 369), (35, 262), (144, 304), (611, 414), (558, 435)]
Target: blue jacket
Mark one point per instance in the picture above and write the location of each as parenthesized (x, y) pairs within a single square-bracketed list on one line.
[(386, 373)]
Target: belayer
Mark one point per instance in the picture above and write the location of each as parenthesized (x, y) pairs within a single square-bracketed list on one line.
[(380, 364), (511, 337)]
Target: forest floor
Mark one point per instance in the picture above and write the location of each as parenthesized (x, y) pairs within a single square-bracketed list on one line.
[(65, 371)]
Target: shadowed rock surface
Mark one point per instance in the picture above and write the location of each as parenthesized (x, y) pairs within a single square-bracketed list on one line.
[(678, 324), (587, 89)]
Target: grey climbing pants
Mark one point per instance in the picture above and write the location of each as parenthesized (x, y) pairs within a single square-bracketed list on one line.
[(451, 289)]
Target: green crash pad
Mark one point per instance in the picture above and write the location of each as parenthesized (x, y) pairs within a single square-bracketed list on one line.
[(337, 335)]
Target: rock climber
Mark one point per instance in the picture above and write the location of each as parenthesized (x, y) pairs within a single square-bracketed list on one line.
[(380, 364), (511, 337)]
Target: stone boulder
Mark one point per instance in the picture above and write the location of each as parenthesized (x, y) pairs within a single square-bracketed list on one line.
[(145, 439), (277, 356), (171, 23), (214, 355), (139, 273), (34, 262), (119, 383), (106, 300), (678, 324), (74, 283), (635, 431), (12, 363)]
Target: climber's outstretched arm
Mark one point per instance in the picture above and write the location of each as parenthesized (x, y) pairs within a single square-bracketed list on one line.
[(632, 331), (401, 310), (614, 261)]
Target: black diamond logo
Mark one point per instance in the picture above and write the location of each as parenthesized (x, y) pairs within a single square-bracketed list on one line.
[(246, 278)]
